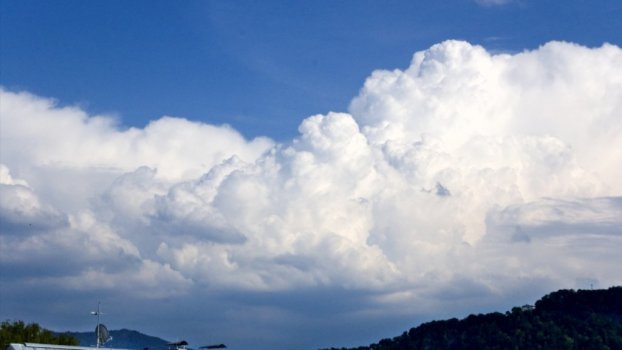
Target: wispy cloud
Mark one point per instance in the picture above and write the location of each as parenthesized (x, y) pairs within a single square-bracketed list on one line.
[(494, 2)]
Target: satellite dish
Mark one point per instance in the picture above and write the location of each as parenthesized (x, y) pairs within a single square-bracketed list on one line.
[(102, 334), (180, 345)]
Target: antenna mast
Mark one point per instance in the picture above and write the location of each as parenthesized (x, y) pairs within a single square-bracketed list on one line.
[(97, 330)]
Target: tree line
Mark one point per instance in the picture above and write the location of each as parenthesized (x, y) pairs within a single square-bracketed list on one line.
[(566, 319), (20, 332)]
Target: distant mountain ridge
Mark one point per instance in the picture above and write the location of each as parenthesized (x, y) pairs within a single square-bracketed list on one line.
[(123, 338)]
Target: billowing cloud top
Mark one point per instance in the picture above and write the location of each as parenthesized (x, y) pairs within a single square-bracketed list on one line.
[(465, 173)]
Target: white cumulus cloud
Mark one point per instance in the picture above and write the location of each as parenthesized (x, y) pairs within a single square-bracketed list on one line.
[(467, 176)]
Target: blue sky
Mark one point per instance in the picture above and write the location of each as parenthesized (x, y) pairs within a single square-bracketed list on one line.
[(260, 66), (300, 175)]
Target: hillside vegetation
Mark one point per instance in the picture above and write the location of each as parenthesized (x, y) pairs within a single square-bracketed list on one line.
[(566, 319), (20, 332)]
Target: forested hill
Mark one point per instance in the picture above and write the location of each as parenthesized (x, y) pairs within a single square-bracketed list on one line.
[(124, 339), (566, 319)]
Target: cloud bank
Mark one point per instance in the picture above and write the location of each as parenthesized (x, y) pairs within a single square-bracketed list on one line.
[(467, 177)]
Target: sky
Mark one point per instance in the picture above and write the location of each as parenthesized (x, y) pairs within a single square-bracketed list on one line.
[(289, 175)]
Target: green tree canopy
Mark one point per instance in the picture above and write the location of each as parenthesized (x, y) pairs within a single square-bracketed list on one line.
[(20, 332), (566, 319)]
